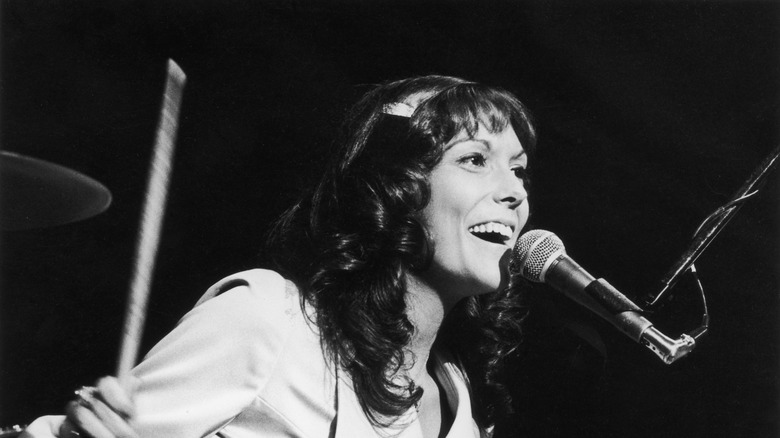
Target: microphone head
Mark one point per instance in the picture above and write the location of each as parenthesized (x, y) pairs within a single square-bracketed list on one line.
[(533, 254)]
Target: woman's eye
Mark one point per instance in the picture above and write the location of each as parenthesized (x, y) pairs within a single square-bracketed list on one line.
[(477, 160), (521, 173)]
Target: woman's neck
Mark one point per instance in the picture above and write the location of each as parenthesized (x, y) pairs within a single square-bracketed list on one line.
[(426, 309)]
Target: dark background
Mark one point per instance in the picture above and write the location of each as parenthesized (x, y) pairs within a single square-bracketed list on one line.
[(651, 114)]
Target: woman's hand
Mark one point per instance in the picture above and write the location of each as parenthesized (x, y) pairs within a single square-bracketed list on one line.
[(103, 411)]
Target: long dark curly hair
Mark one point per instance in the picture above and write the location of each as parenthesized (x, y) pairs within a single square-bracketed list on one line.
[(350, 242)]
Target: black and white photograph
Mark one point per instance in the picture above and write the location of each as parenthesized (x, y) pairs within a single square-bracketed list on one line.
[(412, 219)]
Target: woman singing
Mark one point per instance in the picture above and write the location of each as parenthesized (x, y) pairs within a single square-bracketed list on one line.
[(390, 309)]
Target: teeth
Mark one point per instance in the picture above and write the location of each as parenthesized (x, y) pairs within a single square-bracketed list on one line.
[(492, 227)]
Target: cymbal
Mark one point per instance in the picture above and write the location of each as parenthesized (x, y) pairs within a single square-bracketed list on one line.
[(35, 193)]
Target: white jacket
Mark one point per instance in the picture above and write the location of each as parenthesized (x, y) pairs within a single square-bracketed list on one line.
[(248, 363)]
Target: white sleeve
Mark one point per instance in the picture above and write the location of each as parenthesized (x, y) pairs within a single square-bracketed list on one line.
[(216, 360)]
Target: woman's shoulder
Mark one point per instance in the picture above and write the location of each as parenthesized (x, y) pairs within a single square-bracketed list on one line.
[(259, 281), (256, 312), (260, 296)]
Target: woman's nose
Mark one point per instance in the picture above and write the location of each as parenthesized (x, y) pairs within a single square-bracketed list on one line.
[(510, 189)]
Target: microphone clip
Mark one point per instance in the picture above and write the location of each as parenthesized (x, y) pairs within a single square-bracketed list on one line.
[(628, 319), (669, 350)]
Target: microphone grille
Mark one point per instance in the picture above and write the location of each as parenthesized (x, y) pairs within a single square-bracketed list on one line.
[(532, 253)]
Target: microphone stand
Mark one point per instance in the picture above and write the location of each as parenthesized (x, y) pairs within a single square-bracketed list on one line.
[(713, 224)]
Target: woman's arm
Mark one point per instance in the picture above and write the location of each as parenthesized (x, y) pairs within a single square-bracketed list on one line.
[(201, 375)]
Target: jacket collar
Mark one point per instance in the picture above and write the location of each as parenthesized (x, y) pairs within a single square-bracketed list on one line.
[(351, 422)]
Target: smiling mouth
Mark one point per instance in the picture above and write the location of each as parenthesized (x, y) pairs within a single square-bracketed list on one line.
[(492, 232)]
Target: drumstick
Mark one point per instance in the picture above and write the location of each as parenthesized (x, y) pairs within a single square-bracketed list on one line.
[(151, 220)]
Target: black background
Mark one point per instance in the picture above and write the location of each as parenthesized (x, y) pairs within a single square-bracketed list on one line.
[(651, 114)]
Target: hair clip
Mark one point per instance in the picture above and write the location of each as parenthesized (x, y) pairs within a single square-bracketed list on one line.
[(401, 109)]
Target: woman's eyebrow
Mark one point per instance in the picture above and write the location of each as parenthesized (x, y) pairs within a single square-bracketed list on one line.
[(489, 146), (518, 155), (484, 143)]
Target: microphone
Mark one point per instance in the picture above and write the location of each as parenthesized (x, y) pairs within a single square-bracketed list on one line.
[(540, 256)]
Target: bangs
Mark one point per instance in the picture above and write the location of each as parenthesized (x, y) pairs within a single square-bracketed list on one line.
[(463, 107)]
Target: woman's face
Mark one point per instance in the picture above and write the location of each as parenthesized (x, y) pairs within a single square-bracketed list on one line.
[(478, 207)]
